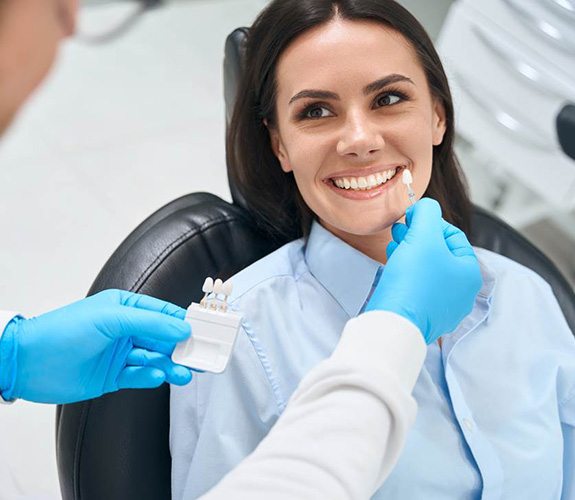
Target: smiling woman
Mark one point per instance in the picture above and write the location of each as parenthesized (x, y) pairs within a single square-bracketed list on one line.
[(338, 73), (338, 98), (363, 129)]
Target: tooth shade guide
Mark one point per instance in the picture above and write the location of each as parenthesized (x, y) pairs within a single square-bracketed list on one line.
[(407, 178), (208, 285), (207, 288), (218, 286), (213, 291), (211, 345)]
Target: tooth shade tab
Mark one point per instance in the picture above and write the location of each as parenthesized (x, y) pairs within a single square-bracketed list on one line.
[(218, 286), (208, 285), (407, 178), (364, 183)]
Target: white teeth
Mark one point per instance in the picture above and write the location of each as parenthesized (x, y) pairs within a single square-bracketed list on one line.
[(364, 183)]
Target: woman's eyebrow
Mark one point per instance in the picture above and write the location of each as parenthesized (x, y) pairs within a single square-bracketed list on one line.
[(369, 89), (385, 81), (314, 94)]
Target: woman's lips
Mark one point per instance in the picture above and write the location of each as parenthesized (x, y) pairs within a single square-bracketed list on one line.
[(366, 194)]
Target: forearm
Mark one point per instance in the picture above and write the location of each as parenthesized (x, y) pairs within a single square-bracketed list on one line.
[(345, 426)]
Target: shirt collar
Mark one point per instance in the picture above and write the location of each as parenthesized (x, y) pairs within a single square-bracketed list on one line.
[(489, 280), (480, 313), (346, 273), (349, 275)]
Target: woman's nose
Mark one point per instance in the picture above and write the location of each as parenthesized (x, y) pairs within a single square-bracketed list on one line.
[(360, 138)]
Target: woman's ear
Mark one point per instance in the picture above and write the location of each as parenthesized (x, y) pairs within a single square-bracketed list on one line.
[(278, 148), (439, 122)]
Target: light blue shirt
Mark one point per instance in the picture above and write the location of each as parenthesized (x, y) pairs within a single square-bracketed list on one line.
[(496, 413)]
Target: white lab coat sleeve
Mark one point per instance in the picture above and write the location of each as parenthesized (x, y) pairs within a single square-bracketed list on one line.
[(5, 318), (345, 426)]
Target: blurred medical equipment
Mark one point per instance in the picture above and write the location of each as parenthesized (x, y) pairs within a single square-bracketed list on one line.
[(102, 21), (511, 64), (215, 330), (407, 180)]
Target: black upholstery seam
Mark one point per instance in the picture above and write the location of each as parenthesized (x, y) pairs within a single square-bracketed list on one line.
[(175, 244)]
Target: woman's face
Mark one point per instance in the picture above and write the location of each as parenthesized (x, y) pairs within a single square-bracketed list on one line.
[(353, 110)]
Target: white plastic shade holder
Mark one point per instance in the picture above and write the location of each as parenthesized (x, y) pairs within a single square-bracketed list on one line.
[(214, 332)]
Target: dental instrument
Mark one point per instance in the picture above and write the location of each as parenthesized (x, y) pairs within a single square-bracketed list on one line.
[(407, 179), (214, 330)]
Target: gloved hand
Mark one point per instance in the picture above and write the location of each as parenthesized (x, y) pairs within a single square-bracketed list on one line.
[(432, 275), (109, 341)]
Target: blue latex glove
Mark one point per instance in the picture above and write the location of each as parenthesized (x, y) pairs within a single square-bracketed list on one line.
[(112, 340), (432, 275)]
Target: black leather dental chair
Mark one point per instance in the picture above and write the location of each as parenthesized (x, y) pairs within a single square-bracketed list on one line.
[(116, 447)]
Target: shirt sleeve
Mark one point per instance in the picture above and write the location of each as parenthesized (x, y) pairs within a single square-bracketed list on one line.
[(344, 427)]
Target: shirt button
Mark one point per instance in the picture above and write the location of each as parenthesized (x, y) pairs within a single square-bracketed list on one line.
[(468, 424)]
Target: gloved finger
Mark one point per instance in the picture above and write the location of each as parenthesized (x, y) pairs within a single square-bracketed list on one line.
[(424, 218), (391, 246), (143, 357), (166, 348), (175, 374), (456, 240), (464, 252), (398, 231), (180, 375), (148, 303), (129, 322), (140, 377)]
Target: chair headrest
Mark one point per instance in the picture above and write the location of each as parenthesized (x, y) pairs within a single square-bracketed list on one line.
[(233, 66)]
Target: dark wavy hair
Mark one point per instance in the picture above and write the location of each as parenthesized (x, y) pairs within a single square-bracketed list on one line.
[(272, 195)]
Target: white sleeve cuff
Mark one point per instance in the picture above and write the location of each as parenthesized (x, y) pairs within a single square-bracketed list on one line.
[(399, 341), (5, 318)]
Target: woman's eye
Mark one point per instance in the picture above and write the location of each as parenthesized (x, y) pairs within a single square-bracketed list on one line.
[(317, 112), (388, 99)]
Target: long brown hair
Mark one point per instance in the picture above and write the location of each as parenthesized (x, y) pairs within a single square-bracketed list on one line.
[(272, 195)]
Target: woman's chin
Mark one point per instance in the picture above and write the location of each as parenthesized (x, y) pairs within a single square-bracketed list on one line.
[(359, 228)]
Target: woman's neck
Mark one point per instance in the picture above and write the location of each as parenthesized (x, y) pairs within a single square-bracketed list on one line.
[(372, 245)]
